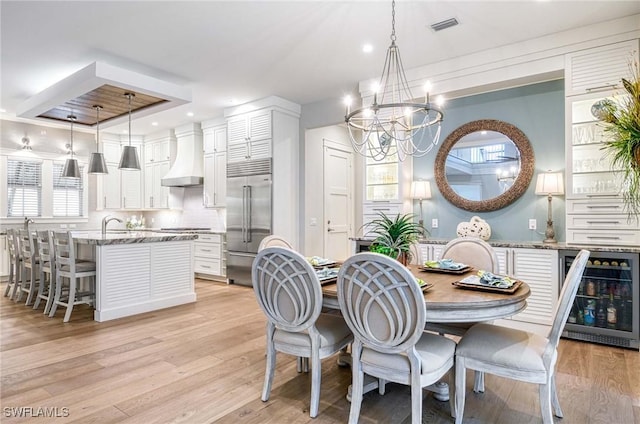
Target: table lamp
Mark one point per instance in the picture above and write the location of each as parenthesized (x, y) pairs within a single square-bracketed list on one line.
[(549, 184), (421, 190)]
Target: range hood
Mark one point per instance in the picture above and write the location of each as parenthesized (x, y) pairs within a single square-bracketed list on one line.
[(187, 168)]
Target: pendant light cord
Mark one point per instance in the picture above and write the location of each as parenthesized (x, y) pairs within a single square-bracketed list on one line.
[(130, 95), (71, 118)]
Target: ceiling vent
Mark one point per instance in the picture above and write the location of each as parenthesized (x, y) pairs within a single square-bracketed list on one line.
[(104, 85), (447, 23)]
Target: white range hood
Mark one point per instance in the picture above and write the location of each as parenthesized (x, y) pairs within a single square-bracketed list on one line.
[(187, 168)]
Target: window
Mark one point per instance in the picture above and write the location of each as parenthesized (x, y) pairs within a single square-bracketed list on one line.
[(67, 193), (24, 188)]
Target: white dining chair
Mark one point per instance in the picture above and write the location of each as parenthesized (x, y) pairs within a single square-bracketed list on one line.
[(46, 288), (518, 354), (289, 293), (274, 241), (30, 266), (384, 307), (480, 255), (71, 270), (15, 264)]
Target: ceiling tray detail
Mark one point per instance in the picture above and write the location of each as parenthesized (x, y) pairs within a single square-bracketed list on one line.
[(104, 85)]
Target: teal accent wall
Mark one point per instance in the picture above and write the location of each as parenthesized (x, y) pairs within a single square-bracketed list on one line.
[(538, 111)]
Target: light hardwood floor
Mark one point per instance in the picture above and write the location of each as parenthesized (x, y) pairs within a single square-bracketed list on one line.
[(205, 362)]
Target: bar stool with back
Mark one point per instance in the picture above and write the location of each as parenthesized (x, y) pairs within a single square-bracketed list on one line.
[(68, 268)]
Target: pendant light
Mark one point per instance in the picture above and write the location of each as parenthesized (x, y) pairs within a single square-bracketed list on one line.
[(71, 169), (129, 159), (97, 164)]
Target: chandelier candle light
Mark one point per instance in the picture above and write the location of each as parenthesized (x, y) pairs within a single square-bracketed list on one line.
[(129, 159), (71, 169), (97, 164), (395, 123), (549, 184)]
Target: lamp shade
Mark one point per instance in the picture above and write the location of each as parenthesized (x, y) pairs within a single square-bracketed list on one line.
[(71, 169), (129, 159), (420, 190), (550, 183), (97, 164)]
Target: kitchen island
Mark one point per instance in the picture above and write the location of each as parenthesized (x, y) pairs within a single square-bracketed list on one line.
[(139, 272)]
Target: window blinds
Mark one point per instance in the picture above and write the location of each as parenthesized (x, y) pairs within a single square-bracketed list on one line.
[(24, 184), (67, 193)]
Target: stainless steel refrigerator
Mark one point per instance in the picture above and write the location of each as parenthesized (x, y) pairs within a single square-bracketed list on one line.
[(248, 215)]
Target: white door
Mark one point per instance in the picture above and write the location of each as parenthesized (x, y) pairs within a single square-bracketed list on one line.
[(337, 202)]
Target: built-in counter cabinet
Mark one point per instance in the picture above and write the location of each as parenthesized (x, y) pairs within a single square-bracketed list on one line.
[(210, 256), (594, 209)]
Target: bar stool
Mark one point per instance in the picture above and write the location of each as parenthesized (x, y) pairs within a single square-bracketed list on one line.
[(30, 266), (46, 288), (68, 268), (15, 265)]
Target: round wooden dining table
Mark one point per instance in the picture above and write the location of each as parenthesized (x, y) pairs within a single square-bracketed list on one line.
[(448, 303)]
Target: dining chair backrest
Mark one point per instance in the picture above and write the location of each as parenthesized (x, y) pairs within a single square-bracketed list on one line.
[(381, 302), (567, 296), (274, 241), (45, 246), (64, 252), (472, 251), (12, 243), (287, 288), (27, 246)]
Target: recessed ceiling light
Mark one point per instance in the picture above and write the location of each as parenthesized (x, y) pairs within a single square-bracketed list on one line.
[(155, 124), (367, 48), (43, 132), (189, 113)]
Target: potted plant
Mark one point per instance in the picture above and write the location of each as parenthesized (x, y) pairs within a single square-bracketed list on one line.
[(622, 126), (394, 237)]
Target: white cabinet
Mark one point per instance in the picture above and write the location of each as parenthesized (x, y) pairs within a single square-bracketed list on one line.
[(598, 69), (249, 136), (538, 268), (215, 166), (157, 159), (156, 196), (131, 184), (119, 189), (4, 257), (209, 255), (594, 208)]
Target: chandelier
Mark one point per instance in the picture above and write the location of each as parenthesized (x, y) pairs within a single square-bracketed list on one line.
[(395, 123)]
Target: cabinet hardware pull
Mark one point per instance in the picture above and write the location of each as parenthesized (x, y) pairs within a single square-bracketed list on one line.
[(601, 195), (205, 266), (603, 206), (601, 87), (603, 222), (105, 202), (603, 237), (206, 250)]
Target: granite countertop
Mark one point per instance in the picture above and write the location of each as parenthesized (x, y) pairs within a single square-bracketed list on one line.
[(127, 237), (537, 245)]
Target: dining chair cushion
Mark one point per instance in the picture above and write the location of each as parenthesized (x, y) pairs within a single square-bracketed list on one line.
[(435, 353), (504, 347), (332, 328), (82, 266)]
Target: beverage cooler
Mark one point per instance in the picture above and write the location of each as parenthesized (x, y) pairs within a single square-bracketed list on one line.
[(606, 307)]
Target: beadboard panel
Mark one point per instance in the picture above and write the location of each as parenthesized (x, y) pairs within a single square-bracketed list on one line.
[(127, 270), (168, 277)]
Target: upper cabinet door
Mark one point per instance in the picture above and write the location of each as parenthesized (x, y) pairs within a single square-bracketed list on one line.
[(260, 126), (600, 68)]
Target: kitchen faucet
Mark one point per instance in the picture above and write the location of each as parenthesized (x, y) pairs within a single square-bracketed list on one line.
[(27, 221), (106, 220)]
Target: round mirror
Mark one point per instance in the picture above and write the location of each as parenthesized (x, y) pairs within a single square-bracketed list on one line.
[(484, 165)]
